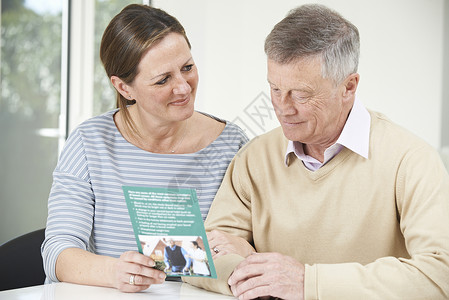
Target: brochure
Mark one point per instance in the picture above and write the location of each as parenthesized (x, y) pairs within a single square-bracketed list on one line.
[(168, 228)]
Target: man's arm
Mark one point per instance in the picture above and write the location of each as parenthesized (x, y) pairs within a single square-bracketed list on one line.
[(222, 243), (187, 258), (422, 192), (233, 219), (166, 260)]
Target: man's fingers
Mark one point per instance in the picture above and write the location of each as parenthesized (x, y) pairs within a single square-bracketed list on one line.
[(259, 292), (257, 258), (267, 274), (251, 288), (246, 270)]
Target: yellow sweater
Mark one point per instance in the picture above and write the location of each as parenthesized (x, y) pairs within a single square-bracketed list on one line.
[(375, 228)]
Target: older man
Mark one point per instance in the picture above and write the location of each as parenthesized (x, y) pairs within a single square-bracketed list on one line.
[(176, 258), (339, 203)]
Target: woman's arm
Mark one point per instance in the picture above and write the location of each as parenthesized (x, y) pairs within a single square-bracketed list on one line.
[(82, 267)]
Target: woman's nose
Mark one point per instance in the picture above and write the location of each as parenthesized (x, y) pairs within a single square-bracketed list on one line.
[(181, 86)]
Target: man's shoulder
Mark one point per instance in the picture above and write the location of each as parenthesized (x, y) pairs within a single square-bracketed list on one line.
[(383, 127), (274, 137), (395, 140), (268, 146)]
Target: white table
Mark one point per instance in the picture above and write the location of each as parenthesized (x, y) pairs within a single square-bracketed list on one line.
[(169, 290)]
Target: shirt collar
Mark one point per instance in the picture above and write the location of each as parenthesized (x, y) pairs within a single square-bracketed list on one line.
[(354, 136)]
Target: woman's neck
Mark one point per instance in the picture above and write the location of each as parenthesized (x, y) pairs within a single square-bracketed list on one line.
[(154, 137)]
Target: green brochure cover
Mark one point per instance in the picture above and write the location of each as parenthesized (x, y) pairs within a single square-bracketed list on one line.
[(168, 227)]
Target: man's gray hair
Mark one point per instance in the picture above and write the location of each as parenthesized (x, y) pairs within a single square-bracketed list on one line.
[(315, 30)]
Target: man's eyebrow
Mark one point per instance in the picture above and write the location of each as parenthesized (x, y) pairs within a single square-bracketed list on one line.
[(269, 82)]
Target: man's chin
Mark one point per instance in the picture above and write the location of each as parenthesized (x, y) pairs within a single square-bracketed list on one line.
[(291, 134)]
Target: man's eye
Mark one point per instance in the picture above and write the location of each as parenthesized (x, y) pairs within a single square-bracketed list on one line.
[(187, 68), (300, 98), (275, 90)]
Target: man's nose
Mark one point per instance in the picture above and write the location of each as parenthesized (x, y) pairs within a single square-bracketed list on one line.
[(284, 105)]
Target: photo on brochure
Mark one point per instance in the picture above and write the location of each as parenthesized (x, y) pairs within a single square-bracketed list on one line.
[(177, 255), (168, 227)]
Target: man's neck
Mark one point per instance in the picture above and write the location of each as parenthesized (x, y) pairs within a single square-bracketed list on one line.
[(314, 151), (317, 150)]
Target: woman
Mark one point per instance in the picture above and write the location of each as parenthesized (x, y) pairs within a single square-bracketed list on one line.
[(154, 138), (199, 259)]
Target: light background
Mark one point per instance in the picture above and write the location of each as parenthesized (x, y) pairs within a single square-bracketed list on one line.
[(401, 63), (404, 68)]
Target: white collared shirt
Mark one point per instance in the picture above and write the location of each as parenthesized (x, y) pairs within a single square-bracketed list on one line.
[(354, 136)]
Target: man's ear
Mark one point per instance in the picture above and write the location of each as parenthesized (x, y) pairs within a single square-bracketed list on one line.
[(350, 85), (123, 88)]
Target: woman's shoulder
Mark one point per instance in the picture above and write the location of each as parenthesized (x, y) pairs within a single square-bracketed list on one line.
[(98, 126), (104, 120), (226, 128)]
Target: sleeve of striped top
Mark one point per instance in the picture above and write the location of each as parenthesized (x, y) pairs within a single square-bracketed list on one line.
[(70, 205)]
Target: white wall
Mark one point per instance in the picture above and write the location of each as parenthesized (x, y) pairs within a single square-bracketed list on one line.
[(400, 65), (445, 108)]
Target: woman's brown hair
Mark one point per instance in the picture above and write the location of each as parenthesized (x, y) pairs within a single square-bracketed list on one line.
[(127, 38)]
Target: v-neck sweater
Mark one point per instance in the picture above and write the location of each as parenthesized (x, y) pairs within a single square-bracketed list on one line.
[(365, 228)]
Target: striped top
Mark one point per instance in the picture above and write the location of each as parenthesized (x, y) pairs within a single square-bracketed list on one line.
[(86, 206)]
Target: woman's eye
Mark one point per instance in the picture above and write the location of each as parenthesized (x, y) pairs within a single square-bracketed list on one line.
[(163, 81), (187, 68)]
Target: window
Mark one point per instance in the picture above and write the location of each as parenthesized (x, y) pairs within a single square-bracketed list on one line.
[(31, 35), (90, 90), (35, 74)]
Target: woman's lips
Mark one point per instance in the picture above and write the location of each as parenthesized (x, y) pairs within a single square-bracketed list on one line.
[(181, 102)]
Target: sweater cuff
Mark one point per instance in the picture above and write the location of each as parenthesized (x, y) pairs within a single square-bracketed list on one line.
[(310, 282), (224, 266)]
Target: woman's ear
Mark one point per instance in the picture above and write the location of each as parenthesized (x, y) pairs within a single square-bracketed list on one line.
[(123, 88)]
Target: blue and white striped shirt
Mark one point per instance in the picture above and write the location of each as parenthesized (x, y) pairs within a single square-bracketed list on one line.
[(86, 207)]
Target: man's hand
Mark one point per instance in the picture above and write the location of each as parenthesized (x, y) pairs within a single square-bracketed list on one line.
[(268, 274), (223, 243)]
